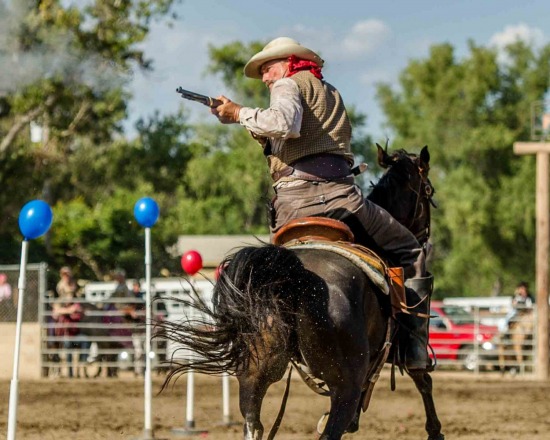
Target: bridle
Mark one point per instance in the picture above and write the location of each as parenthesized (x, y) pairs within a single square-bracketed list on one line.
[(424, 191)]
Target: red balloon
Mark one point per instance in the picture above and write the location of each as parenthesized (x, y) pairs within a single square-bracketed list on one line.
[(191, 262)]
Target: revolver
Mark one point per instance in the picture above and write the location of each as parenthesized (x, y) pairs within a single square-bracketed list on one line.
[(203, 99)]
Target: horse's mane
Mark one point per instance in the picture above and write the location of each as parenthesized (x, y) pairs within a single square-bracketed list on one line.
[(398, 171), (398, 174)]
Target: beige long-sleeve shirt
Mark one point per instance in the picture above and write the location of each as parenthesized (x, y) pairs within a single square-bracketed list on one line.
[(282, 120)]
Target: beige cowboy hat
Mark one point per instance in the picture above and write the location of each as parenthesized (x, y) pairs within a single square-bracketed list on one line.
[(279, 48)]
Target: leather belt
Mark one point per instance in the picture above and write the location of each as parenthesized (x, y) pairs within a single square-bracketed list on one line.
[(319, 168)]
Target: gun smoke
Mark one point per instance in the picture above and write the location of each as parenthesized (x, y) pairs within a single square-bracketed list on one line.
[(57, 56)]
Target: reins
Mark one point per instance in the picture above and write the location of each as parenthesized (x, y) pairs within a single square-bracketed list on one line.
[(424, 191), (281, 413)]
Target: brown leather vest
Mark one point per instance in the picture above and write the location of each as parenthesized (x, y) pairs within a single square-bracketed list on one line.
[(325, 124)]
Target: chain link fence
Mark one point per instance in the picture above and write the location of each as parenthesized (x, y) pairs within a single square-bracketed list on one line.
[(35, 289)]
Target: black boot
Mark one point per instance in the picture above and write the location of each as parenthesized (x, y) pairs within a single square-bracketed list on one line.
[(418, 292)]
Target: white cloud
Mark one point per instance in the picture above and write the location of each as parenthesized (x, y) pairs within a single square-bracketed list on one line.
[(513, 33), (362, 39), (366, 37), (371, 77)]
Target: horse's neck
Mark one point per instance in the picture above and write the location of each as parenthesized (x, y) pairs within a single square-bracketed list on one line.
[(418, 225)]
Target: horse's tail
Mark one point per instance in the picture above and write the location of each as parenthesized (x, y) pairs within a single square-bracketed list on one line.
[(252, 306)]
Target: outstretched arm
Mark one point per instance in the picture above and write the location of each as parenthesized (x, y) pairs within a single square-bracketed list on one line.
[(283, 118)]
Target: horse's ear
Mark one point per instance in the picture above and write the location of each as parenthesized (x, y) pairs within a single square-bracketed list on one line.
[(425, 155), (383, 157)]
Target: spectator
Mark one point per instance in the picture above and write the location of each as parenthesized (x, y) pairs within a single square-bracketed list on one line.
[(136, 290), (522, 303), (66, 287), (5, 288), (67, 314), (7, 308), (127, 315), (121, 289)]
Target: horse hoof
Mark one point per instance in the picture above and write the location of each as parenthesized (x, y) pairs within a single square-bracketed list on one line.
[(322, 423), (437, 437), (352, 427)]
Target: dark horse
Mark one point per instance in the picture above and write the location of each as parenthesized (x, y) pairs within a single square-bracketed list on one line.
[(274, 305)]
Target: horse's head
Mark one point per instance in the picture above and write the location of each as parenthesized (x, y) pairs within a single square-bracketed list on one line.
[(405, 190)]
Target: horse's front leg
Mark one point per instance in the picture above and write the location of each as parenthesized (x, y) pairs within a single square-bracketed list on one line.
[(423, 382)]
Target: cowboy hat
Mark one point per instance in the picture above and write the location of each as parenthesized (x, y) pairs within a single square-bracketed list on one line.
[(279, 48)]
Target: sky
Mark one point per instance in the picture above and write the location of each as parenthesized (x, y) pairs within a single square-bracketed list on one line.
[(362, 42)]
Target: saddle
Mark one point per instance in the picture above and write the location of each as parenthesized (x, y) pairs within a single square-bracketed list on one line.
[(335, 236), (313, 228)]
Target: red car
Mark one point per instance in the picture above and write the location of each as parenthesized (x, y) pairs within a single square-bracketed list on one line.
[(455, 337)]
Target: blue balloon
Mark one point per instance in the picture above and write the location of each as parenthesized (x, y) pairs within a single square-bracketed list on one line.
[(146, 212), (35, 219)]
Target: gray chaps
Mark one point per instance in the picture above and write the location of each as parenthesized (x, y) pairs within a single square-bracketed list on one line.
[(343, 200)]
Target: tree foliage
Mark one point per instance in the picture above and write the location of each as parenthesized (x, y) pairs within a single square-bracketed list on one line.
[(66, 68), (69, 71), (470, 111)]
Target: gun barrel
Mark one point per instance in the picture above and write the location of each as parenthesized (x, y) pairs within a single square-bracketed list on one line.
[(203, 99)]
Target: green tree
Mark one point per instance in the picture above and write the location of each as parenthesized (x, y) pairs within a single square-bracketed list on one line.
[(65, 68), (470, 111), (102, 184)]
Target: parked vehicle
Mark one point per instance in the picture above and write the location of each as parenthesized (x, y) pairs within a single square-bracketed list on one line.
[(455, 336)]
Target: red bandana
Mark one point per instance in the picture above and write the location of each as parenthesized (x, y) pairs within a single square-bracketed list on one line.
[(296, 64)]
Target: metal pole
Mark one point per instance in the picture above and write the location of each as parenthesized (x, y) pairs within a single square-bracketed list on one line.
[(226, 417), (190, 417), (148, 432), (12, 411)]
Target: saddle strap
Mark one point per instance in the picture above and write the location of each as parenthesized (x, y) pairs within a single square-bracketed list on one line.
[(407, 309), (374, 375), (317, 387)]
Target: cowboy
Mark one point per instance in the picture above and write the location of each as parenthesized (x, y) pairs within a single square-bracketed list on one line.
[(306, 135)]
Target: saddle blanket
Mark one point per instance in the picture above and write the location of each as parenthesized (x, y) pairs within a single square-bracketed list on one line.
[(370, 263)]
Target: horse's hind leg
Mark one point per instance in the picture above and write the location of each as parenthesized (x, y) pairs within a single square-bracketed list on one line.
[(423, 382), (343, 409), (251, 394)]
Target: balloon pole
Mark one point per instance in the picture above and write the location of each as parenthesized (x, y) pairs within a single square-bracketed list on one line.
[(14, 396), (35, 219), (146, 212), (148, 319)]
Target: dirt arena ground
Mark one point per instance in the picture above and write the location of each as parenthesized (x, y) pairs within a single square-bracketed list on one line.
[(483, 408)]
